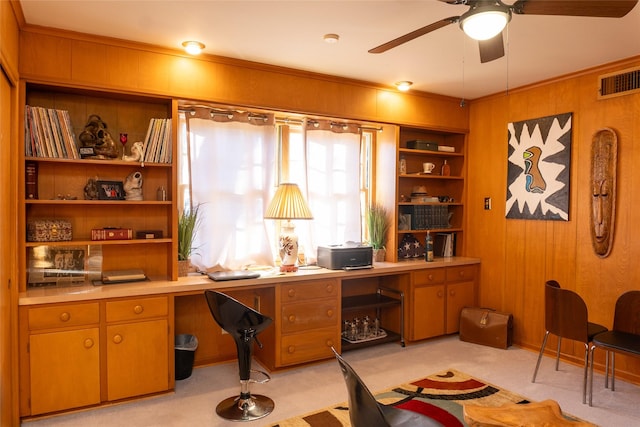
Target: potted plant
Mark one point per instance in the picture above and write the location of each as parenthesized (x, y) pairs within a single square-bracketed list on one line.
[(188, 223), (378, 225)]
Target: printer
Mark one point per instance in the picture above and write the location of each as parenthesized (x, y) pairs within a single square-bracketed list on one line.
[(345, 257)]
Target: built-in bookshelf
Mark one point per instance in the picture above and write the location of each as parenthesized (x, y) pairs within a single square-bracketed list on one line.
[(58, 180)]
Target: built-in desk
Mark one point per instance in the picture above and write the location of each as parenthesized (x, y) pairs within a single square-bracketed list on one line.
[(114, 336)]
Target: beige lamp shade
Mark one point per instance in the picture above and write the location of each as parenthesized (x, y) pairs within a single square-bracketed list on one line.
[(288, 203)]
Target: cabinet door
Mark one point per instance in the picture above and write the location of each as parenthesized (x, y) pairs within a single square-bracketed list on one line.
[(137, 359), (427, 312), (459, 295), (65, 370)]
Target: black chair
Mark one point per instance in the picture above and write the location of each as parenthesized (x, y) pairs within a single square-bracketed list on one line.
[(365, 411), (243, 324), (566, 317), (623, 338)]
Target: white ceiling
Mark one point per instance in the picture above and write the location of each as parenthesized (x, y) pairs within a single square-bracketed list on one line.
[(289, 33)]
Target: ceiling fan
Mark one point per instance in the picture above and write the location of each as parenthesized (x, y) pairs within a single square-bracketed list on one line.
[(485, 19)]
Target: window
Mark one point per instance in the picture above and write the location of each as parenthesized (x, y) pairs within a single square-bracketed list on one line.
[(232, 168)]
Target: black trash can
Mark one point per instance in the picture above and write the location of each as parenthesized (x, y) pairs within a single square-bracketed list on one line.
[(185, 348)]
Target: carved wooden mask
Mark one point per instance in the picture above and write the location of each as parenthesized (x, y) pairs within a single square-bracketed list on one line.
[(604, 164)]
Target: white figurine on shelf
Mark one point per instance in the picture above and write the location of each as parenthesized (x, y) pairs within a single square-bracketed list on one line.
[(133, 186), (137, 150)]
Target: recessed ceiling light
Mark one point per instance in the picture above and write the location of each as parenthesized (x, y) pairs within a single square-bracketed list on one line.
[(193, 47), (404, 85), (331, 38)]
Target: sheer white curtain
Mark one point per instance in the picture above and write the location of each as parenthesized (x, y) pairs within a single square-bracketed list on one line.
[(333, 190), (232, 168)]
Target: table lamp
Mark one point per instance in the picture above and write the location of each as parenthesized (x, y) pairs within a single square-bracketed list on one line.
[(287, 204)]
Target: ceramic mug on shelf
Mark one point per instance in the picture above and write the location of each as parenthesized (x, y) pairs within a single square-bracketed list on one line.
[(428, 167)]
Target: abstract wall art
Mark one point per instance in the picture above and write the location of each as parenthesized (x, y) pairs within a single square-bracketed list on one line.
[(539, 166)]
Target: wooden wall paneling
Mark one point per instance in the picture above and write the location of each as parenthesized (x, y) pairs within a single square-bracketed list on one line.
[(45, 56), (9, 35)]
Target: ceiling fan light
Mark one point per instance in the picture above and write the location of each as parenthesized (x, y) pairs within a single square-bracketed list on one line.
[(485, 22)]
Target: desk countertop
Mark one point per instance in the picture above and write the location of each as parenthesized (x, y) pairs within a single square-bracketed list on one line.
[(196, 283)]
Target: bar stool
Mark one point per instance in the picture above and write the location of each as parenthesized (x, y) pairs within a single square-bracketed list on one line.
[(243, 324)]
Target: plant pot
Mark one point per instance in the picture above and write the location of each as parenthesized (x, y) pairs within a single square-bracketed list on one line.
[(183, 267), (379, 255)]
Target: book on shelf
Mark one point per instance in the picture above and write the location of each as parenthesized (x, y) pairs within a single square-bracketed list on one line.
[(111, 234), (157, 143), (119, 276), (445, 245), (446, 148), (31, 180), (48, 133)]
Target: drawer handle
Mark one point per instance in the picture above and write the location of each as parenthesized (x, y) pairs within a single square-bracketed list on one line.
[(292, 293), (440, 294), (88, 343), (291, 349), (430, 277), (329, 313), (461, 273), (138, 309), (452, 293), (329, 343), (329, 289), (292, 318), (117, 338), (65, 316)]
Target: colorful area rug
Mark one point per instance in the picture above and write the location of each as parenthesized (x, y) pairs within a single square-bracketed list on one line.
[(440, 396)]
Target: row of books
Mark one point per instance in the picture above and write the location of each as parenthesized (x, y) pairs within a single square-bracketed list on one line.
[(48, 133), (427, 217), (157, 143)]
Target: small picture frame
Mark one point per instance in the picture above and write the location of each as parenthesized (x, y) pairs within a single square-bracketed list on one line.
[(57, 265), (110, 190)]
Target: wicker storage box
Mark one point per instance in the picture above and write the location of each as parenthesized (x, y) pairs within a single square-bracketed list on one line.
[(49, 230)]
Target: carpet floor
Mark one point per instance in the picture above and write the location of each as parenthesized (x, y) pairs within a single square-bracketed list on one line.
[(313, 387)]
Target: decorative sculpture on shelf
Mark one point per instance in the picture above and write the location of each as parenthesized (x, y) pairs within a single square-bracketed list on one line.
[(137, 149), (133, 186), (91, 189), (96, 140)]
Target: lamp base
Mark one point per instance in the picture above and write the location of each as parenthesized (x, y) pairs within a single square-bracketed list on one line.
[(288, 268)]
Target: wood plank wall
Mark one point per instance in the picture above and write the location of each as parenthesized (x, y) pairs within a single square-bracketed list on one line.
[(518, 256)]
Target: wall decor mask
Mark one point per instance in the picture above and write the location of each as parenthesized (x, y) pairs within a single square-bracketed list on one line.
[(604, 165), (538, 172)]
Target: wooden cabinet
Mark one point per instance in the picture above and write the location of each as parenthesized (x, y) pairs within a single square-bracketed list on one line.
[(61, 191), (308, 321), (436, 298), (64, 357), (441, 209), (63, 352), (137, 347)]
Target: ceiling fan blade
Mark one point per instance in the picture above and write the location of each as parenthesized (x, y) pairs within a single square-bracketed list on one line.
[(414, 34), (595, 8), (491, 49)]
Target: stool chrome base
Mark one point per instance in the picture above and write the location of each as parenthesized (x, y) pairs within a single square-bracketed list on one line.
[(238, 408)]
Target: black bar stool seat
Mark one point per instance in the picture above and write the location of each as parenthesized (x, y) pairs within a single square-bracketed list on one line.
[(243, 324)]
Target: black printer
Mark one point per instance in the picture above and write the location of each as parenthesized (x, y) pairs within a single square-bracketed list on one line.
[(345, 257)]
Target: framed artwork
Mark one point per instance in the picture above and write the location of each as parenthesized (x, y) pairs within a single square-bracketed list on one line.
[(110, 190), (56, 265), (539, 166)]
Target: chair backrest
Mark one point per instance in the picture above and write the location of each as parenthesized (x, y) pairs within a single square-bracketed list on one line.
[(363, 407), (627, 314), (234, 316), (565, 313)]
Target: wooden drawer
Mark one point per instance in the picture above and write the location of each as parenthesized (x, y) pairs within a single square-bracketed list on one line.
[(461, 273), (428, 276), (302, 291), (306, 347), (309, 315), (61, 316), (137, 308)]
